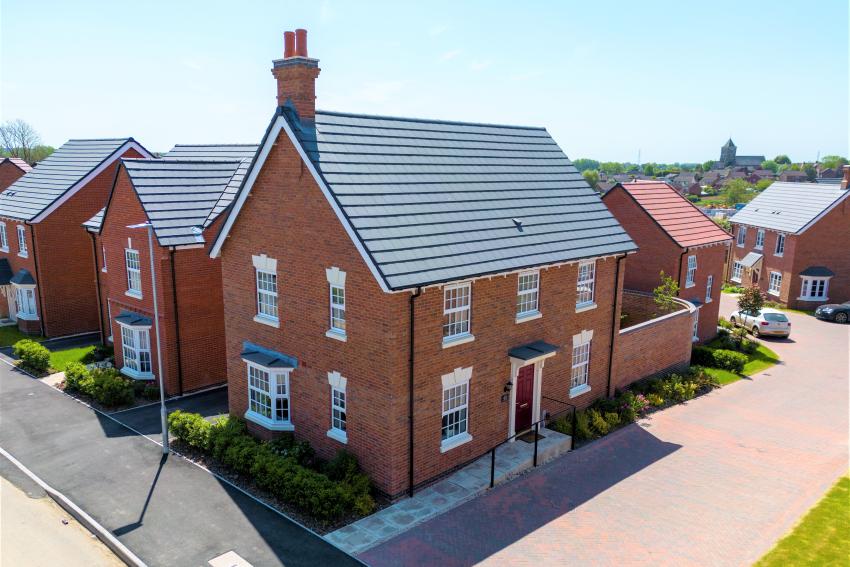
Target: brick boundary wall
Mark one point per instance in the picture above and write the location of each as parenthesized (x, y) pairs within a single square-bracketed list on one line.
[(655, 346)]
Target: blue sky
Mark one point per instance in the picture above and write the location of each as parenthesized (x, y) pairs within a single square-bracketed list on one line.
[(673, 79)]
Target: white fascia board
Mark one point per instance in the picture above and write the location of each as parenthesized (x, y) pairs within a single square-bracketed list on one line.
[(282, 125), (91, 175)]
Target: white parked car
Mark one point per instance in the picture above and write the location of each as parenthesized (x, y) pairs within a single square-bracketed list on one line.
[(768, 321)]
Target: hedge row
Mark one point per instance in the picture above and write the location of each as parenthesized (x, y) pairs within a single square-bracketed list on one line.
[(105, 385), (34, 356), (719, 358), (337, 491)]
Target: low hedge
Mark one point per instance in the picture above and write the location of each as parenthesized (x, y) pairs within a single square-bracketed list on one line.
[(719, 358), (334, 492), (105, 385), (34, 356)]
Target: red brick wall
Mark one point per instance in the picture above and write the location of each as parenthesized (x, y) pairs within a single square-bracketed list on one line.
[(306, 238), (826, 243), (710, 261), (9, 173), (770, 262), (656, 346), (19, 263), (198, 283)]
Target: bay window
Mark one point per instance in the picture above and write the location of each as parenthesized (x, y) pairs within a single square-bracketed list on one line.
[(25, 302), (136, 351), (268, 397), (814, 289)]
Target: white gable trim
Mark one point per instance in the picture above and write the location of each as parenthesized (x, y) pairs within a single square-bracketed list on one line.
[(281, 125), (92, 174)]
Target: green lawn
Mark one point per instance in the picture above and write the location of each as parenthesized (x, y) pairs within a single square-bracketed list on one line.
[(59, 359), (762, 358), (11, 335), (821, 538), (723, 377)]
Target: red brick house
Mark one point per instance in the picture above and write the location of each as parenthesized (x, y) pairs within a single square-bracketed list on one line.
[(414, 291), (675, 237), (12, 168), (53, 291), (792, 241), (182, 196)]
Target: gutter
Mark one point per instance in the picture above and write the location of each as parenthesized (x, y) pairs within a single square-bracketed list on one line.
[(97, 291), (176, 324), (615, 314), (38, 283), (412, 328), (679, 272)]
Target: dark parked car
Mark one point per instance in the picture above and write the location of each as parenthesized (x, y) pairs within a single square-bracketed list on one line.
[(838, 312)]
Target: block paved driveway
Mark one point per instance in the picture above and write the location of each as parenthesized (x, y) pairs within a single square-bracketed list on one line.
[(167, 511), (715, 482)]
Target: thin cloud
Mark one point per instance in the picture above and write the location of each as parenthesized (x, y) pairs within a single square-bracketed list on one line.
[(449, 55), (479, 65), (438, 30)]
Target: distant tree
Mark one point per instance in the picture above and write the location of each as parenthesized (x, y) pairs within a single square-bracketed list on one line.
[(751, 299), (763, 184), (19, 139), (665, 293), (708, 165), (770, 164), (649, 169), (583, 164), (723, 223), (698, 168), (835, 162), (592, 177), (736, 192), (782, 158), (810, 171), (783, 167), (612, 167), (795, 167)]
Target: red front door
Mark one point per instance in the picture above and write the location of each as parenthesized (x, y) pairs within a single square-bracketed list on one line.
[(524, 397)]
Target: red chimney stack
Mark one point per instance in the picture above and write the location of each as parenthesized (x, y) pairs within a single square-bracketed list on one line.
[(845, 182), (296, 75)]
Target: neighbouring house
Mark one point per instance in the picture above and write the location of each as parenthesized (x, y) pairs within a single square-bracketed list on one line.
[(53, 291), (684, 181), (11, 169), (414, 291), (729, 158), (759, 174), (694, 189), (182, 196), (792, 241), (793, 176), (713, 178), (674, 237)]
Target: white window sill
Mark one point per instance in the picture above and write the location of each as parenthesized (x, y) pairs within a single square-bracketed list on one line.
[(338, 435), (455, 441), (24, 254), (694, 339), (813, 299), (736, 280), (579, 390), (689, 285), (457, 340), (758, 248), (103, 270), (135, 374), (27, 316), (338, 335), (109, 338), (269, 423), (739, 245), (131, 293), (530, 316), (708, 300), (778, 255), (267, 321), (771, 292), (582, 307), (4, 249)]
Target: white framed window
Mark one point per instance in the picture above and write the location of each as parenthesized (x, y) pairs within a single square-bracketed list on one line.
[(742, 236), (759, 239), (266, 283), (690, 278), (780, 245), (336, 283), (339, 405), (457, 308), (25, 303), (580, 372), (268, 397), (695, 328), (22, 241), (737, 272), (136, 350), (103, 258), (134, 272), (775, 283), (709, 283), (455, 414), (586, 284), (4, 239), (814, 289), (528, 294)]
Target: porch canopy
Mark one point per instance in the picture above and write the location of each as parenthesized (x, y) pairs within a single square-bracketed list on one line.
[(531, 351), (751, 259)]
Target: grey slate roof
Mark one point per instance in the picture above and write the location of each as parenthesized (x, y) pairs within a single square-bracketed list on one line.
[(268, 358), (183, 197), (789, 207), (212, 151), (817, 272), (435, 201), (34, 192), (749, 161), (5, 271), (93, 224), (133, 319), (532, 350), (751, 259), (23, 277)]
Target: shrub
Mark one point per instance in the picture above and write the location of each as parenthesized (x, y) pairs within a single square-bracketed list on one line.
[(724, 323), (75, 374), (583, 430), (150, 392), (597, 422), (729, 360), (655, 400), (612, 419), (108, 387), (702, 356), (191, 428), (562, 425), (343, 466), (34, 356), (98, 353)]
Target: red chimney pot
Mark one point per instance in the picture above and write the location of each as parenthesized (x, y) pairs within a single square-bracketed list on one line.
[(288, 44), (301, 43), (845, 181)]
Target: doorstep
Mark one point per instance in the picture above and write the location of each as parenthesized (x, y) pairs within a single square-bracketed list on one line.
[(467, 483)]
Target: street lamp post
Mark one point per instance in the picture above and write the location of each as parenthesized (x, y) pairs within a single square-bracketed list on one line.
[(163, 414)]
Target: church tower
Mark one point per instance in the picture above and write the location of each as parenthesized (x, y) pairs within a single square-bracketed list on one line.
[(727, 153)]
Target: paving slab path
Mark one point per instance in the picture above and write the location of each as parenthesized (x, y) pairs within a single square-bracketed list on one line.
[(167, 511), (716, 481)]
